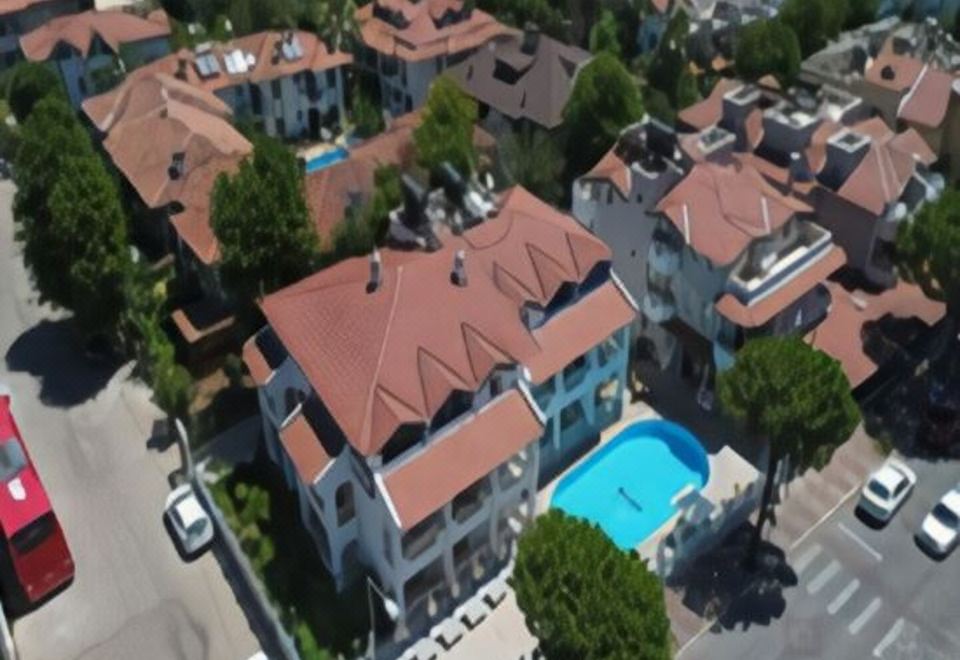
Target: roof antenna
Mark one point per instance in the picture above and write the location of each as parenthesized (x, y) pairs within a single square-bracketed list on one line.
[(459, 274), (376, 271)]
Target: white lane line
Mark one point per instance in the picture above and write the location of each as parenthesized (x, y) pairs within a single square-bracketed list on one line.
[(889, 638), (807, 558), (824, 576), (843, 597), (863, 544), (865, 616)]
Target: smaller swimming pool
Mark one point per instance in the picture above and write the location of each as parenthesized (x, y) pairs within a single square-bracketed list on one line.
[(326, 159), (628, 485)]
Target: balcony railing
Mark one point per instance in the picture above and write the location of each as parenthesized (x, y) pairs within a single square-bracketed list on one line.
[(750, 282), (416, 541)]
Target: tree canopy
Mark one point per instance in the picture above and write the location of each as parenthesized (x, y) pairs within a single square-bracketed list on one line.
[(365, 228), (768, 46), (29, 83), (603, 35), (548, 15), (531, 158), (928, 250), (814, 21), (793, 397), (446, 131), (605, 99), (260, 218), (584, 598), (670, 60), (860, 12)]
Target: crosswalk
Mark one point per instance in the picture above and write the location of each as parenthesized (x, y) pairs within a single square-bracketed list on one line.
[(863, 613)]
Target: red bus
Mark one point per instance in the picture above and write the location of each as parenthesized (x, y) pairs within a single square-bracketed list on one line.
[(32, 538)]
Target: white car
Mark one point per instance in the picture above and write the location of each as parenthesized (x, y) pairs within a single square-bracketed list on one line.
[(886, 490), (940, 530), (190, 522)]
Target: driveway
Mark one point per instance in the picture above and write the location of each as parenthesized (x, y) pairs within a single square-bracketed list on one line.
[(88, 428), (860, 592)]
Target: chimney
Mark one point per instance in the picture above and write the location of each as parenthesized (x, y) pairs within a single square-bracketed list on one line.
[(737, 105), (414, 199), (176, 165), (797, 170), (531, 38), (459, 274), (376, 271), (181, 72), (787, 130), (845, 151)]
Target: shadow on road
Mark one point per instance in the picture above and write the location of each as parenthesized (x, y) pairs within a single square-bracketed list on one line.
[(50, 352), (718, 585)]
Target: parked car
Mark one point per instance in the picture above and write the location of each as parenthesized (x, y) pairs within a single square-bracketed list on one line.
[(188, 520), (886, 490), (940, 529)]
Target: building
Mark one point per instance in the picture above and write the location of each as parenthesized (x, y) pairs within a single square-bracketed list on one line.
[(91, 50), (18, 17), (414, 399), (287, 83), (407, 44), (521, 79)]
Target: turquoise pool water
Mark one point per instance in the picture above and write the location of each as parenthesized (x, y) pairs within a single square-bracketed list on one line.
[(327, 159), (626, 486)]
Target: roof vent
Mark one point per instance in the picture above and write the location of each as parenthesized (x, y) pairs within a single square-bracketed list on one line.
[(176, 165), (459, 274), (887, 73), (376, 271), (181, 72)]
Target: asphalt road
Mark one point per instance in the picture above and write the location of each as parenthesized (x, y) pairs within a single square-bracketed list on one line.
[(87, 428), (861, 592)]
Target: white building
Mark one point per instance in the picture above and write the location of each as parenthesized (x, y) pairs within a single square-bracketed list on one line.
[(414, 400), (407, 44), (91, 50)]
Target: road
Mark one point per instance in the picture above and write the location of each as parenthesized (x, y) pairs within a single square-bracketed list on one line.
[(861, 592), (87, 428)]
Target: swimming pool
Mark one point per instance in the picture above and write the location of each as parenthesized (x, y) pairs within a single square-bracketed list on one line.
[(627, 486), (326, 159)]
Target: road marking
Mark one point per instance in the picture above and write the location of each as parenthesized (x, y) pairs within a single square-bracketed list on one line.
[(807, 558), (863, 544), (827, 574), (865, 616), (889, 638), (843, 597)]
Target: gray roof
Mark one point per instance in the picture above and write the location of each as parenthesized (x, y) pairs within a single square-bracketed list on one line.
[(522, 76)]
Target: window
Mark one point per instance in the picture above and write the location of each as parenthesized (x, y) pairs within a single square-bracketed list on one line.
[(405, 437), (362, 472), (387, 545), (331, 78), (276, 89), (12, 459), (544, 392), (571, 416), (281, 127), (344, 499), (575, 372), (456, 404), (421, 536), (34, 534), (256, 100)]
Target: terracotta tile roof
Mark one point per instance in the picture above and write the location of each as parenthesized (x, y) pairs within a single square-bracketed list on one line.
[(894, 72), (841, 334), (304, 449), (758, 313), (911, 142), (928, 99), (378, 361), (611, 168), (708, 111), (114, 28), (467, 453), (192, 224), (198, 320), (721, 209), (424, 36), (544, 83), (260, 370)]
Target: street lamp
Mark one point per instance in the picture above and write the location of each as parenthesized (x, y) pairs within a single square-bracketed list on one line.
[(389, 606)]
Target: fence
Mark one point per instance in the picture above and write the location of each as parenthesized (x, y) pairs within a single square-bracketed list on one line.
[(274, 639)]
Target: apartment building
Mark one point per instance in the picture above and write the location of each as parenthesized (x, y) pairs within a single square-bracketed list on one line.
[(416, 398), (92, 50), (407, 44), (18, 17)]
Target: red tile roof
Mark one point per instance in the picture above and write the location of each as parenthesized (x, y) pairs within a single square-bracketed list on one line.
[(304, 449), (758, 313), (456, 460), (611, 168), (841, 334), (927, 101), (260, 370), (378, 361), (708, 111), (115, 28), (423, 36), (896, 73), (721, 209)]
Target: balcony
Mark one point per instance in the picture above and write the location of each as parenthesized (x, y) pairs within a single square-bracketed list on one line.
[(421, 537), (659, 306), (663, 257), (470, 501)]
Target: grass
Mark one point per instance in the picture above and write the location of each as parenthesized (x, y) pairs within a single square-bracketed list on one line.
[(263, 514)]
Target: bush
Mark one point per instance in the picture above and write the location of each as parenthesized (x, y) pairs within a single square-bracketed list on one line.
[(29, 83)]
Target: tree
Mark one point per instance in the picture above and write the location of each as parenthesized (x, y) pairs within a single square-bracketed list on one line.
[(814, 21), (605, 99), (603, 35), (446, 131), (584, 598), (671, 59), (795, 399), (29, 83), (88, 239), (545, 14), (365, 110), (260, 218), (768, 47), (860, 12), (335, 22), (366, 228), (531, 158), (928, 253), (687, 91)]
